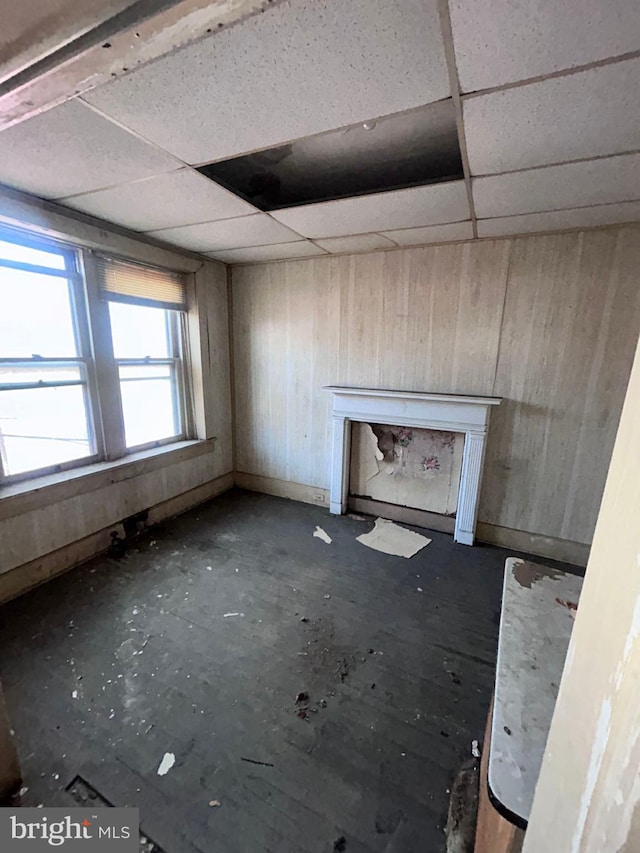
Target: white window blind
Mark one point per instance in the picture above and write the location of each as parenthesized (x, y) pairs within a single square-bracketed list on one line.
[(136, 284)]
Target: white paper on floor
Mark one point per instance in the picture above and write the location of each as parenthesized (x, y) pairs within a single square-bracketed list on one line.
[(320, 533), (390, 538), (168, 760)]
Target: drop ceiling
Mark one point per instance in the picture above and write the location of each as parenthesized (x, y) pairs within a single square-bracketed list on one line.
[(544, 99)]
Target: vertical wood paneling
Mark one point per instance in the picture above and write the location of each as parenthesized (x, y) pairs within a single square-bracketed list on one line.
[(422, 319), (571, 321), (431, 319), (286, 349)]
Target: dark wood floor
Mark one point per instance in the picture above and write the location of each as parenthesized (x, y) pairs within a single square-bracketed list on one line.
[(399, 681)]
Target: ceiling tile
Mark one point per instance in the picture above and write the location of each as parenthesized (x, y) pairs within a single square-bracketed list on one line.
[(503, 41), (277, 252), (358, 243), (379, 212), (587, 114), (572, 185), (71, 149), (554, 220), (175, 198), (298, 69), (258, 229), (433, 234)]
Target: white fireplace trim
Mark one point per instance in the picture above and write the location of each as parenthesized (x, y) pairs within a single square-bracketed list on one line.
[(451, 412)]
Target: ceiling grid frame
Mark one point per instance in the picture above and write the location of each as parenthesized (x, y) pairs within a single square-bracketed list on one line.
[(568, 210), (454, 84)]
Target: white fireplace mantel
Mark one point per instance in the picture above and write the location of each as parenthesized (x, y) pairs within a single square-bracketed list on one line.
[(450, 412)]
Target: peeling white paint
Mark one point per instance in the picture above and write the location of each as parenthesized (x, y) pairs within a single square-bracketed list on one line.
[(319, 533), (168, 760), (603, 727)]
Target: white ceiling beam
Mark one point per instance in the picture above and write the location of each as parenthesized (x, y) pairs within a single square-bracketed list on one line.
[(54, 66)]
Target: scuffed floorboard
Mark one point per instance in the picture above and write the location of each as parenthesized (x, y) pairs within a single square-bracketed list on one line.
[(341, 704)]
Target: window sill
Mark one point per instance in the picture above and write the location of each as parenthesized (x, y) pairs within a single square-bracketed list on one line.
[(18, 498)]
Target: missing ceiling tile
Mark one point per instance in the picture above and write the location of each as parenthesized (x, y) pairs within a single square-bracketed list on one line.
[(412, 149)]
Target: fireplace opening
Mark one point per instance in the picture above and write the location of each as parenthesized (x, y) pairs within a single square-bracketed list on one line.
[(407, 466)]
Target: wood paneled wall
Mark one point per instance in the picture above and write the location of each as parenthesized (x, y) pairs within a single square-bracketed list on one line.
[(549, 323)]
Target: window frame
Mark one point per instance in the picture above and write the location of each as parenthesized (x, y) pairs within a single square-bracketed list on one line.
[(176, 330), (95, 357)]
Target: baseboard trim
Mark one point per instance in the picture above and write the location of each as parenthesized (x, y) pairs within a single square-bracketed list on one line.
[(23, 578), (404, 514), (563, 550), (282, 488)]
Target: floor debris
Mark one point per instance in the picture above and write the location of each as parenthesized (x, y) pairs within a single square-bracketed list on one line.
[(168, 760), (319, 533), (226, 615), (253, 761), (475, 749), (214, 803), (340, 845), (302, 697), (390, 538)]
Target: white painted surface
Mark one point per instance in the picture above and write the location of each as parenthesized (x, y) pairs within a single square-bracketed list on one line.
[(71, 149), (429, 205), (468, 415), (391, 538), (254, 230), (507, 41), (266, 80), (431, 234), (176, 198), (557, 220), (535, 629), (588, 795), (593, 182), (597, 111), (274, 252)]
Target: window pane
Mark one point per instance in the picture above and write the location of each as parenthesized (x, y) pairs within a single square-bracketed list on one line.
[(36, 316), (138, 331), (27, 255), (148, 405), (42, 427), (145, 371), (14, 374)]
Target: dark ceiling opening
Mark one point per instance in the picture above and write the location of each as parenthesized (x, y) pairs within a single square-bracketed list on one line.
[(406, 150)]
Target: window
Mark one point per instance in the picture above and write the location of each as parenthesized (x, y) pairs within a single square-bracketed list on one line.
[(91, 357), (46, 419), (146, 313)]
